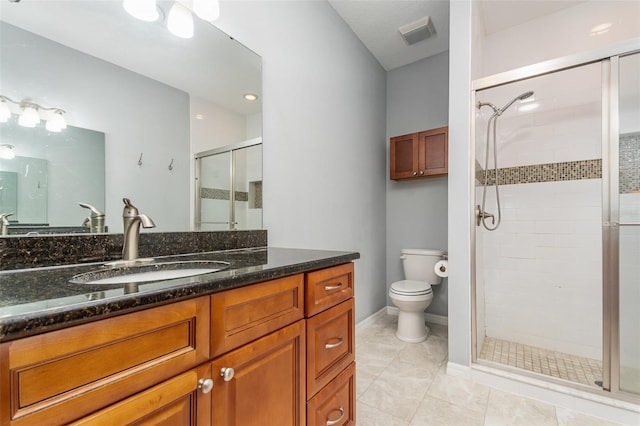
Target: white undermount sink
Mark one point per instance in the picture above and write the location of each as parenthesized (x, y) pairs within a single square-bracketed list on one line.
[(148, 272)]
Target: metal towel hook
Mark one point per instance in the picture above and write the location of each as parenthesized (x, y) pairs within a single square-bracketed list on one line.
[(140, 160), (170, 165)]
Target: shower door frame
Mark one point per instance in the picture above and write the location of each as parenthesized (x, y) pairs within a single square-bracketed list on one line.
[(197, 219), (609, 58)]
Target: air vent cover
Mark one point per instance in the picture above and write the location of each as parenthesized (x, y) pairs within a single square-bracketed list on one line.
[(417, 31)]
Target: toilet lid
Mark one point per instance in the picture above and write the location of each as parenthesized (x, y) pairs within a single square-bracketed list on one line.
[(411, 288)]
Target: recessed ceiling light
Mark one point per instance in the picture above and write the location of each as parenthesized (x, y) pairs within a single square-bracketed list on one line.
[(250, 96)]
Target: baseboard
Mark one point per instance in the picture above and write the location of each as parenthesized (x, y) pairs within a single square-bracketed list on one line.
[(458, 370), (371, 318), (432, 318)]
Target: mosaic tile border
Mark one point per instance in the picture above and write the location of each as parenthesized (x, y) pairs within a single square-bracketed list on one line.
[(222, 194), (629, 155), (550, 172)]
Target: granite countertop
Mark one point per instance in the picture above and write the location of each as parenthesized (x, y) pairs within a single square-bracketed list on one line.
[(37, 300)]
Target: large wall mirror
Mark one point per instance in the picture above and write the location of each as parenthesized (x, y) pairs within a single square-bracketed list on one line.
[(151, 98)]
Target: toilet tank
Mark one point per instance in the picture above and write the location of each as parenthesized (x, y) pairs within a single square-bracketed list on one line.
[(418, 264)]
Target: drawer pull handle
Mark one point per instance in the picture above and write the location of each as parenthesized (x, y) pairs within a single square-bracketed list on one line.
[(227, 373), (338, 420), (205, 385), (332, 287), (334, 345)]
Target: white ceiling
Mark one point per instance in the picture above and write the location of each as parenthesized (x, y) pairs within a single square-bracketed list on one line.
[(376, 23)]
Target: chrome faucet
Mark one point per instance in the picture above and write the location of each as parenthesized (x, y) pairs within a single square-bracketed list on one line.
[(95, 222), (132, 221), (4, 223)]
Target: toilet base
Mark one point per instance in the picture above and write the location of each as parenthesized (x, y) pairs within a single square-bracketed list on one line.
[(411, 327)]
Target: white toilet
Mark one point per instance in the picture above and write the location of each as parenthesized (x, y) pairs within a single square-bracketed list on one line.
[(413, 294)]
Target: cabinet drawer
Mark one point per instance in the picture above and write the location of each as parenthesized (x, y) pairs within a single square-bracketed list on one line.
[(330, 345), (328, 287), (244, 314), (335, 403), (62, 375)]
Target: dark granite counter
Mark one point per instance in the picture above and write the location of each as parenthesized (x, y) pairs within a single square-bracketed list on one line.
[(42, 299)]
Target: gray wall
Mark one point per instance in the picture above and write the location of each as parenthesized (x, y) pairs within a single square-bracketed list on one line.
[(417, 99), (324, 134)]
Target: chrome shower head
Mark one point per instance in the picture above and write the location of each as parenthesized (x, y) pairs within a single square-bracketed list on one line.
[(525, 95)]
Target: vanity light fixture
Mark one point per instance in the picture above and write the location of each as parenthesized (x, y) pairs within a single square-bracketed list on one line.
[(29, 115), (6, 151), (250, 96), (180, 21), (145, 10)]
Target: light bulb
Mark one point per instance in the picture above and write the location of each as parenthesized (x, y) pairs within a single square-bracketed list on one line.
[(56, 123), (145, 10), (180, 21), (5, 112), (209, 10), (29, 117)]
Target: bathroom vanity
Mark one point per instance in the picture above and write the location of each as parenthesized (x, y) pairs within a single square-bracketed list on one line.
[(267, 341)]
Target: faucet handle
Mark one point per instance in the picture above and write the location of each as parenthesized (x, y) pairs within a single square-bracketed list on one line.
[(129, 209), (4, 216), (94, 212)]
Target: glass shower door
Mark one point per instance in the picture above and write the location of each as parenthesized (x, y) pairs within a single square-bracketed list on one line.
[(629, 223), (229, 187), (214, 181)]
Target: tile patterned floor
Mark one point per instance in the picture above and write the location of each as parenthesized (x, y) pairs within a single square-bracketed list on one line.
[(556, 364), (405, 384)]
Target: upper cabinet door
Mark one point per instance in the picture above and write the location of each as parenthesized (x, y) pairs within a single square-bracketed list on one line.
[(433, 152), (404, 156), (420, 154)]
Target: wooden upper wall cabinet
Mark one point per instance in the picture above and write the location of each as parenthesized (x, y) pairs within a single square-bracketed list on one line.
[(421, 154)]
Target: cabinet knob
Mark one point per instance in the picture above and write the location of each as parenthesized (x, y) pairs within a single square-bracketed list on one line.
[(421, 172), (205, 385), (227, 373), (415, 173), (338, 420)]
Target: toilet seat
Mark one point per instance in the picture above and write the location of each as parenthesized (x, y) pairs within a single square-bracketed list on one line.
[(410, 288)]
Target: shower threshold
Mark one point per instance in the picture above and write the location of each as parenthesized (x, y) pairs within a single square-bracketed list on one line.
[(564, 366)]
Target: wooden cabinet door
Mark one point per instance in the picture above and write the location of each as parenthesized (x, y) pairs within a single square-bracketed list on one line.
[(433, 152), (268, 382), (403, 156), (177, 401)]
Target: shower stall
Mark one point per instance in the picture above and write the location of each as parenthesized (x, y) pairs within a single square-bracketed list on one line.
[(556, 285)]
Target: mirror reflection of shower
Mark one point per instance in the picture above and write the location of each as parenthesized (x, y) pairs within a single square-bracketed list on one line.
[(481, 213)]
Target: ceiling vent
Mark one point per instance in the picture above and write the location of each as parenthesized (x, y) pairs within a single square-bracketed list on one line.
[(417, 31)]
